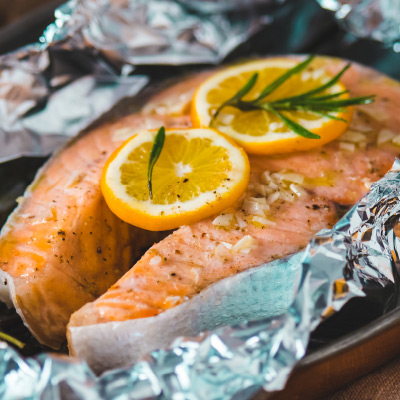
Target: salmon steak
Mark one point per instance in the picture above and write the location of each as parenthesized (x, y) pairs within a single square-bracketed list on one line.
[(302, 193), (62, 249)]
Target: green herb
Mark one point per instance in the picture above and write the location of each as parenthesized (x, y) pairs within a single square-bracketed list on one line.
[(154, 154), (11, 340), (323, 105)]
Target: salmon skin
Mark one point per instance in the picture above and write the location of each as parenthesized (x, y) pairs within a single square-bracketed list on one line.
[(62, 247), (259, 292), (301, 193)]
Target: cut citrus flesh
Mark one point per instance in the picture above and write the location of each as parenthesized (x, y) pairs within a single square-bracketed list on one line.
[(259, 131), (200, 172)]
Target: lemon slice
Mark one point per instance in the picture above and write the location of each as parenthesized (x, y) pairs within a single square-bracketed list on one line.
[(258, 131), (200, 172)]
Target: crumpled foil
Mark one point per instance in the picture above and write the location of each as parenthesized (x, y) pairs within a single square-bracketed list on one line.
[(359, 254), (85, 61), (84, 64), (376, 19)]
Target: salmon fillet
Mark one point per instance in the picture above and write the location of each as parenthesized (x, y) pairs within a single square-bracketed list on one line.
[(192, 258), (62, 247)]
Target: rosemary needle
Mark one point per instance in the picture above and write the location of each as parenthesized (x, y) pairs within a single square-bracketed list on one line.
[(154, 154)]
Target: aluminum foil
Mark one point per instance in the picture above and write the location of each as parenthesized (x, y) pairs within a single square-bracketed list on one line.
[(84, 64), (376, 19), (360, 254), (85, 61)]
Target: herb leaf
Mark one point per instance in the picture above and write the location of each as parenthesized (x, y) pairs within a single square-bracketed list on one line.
[(154, 154)]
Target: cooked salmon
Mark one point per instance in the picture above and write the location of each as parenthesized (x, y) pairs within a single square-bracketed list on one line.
[(62, 247), (298, 194)]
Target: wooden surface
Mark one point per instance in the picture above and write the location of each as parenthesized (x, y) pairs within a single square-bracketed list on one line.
[(22, 21), (12, 10)]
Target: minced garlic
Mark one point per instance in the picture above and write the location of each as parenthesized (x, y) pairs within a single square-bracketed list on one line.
[(384, 136), (223, 220), (283, 185), (155, 260), (347, 146), (245, 245)]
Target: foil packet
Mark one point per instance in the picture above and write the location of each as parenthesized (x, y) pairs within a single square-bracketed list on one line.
[(86, 61), (375, 19), (360, 253)]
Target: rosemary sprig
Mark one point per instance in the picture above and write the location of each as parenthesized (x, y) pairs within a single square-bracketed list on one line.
[(154, 154), (283, 78), (238, 96), (323, 105), (12, 340)]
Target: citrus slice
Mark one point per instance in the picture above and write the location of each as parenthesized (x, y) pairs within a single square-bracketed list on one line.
[(199, 172), (260, 131)]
